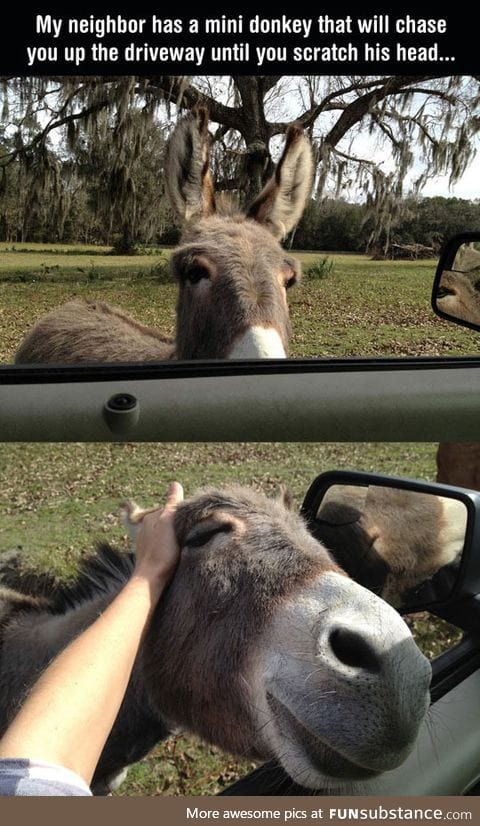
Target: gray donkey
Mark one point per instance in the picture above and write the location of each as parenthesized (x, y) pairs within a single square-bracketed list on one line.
[(261, 645), (231, 271)]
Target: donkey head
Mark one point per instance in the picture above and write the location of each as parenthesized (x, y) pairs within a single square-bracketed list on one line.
[(458, 295), (232, 272), (264, 646), (392, 541)]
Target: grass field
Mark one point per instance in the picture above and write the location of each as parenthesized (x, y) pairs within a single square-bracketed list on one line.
[(362, 308), (57, 500)]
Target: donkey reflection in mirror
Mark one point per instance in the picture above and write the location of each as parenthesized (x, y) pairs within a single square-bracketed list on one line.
[(232, 272), (261, 645), (458, 295), (392, 540), (458, 292)]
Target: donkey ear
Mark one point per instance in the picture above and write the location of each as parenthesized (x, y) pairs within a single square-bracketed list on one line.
[(282, 201), (188, 179), (131, 515), (285, 497)]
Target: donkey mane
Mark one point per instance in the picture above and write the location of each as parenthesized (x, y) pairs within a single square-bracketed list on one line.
[(102, 573), (105, 572), (231, 271)]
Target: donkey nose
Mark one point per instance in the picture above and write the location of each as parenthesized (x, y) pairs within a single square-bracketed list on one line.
[(353, 649)]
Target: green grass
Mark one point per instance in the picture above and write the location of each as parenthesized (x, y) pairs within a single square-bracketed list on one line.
[(63, 266), (34, 246), (360, 308), (56, 501), (373, 308)]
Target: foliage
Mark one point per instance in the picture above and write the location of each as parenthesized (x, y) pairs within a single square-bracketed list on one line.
[(318, 269), (80, 157), (431, 221), (337, 225), (331, 224)]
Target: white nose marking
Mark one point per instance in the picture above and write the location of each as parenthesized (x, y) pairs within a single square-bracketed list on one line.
[(258, 343)]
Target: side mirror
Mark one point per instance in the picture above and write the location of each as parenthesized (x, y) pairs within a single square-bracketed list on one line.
[(456, 288), (416, 544)]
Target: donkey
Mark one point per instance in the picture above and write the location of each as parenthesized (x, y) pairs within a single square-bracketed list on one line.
[(231, 271), (391, 541), (261, 645), (458, 295), (458, 463)]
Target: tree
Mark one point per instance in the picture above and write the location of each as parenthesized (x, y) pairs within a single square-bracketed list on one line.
[(332, 224), (125, 192), (429, 120)]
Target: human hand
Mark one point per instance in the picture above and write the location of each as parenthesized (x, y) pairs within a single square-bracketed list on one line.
[(157, 551)]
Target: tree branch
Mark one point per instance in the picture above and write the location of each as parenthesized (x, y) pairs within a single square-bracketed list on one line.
[(360, 107), (173, 88), (353, 158), (416, 121), (309, 117), (385, 128), (9, 157), (269, 81)]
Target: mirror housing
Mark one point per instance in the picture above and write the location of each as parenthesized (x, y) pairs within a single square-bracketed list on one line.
[(335, 520), (456, 287)]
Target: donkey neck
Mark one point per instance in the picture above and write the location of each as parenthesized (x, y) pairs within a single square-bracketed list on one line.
[(31, 640)]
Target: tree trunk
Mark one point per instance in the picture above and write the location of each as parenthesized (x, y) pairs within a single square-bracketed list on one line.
[(256, 133)]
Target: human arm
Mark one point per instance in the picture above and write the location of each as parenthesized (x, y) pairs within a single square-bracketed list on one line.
[(70, 711)]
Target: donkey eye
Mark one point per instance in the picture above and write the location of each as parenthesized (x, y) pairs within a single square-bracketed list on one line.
[(442, 292), (196, 273), (196, 540), (292, 272), (477, 285)]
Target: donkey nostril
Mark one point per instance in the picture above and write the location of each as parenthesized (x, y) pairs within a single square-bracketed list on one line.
[(352, 649)]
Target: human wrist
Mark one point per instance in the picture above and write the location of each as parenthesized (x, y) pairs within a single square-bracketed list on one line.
[(150, 578)]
